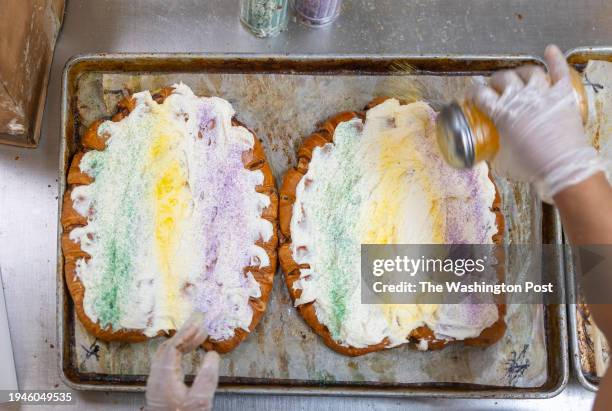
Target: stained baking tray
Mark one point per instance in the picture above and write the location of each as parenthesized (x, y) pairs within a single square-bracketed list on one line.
[(355, 67), (578, 58), (585, 378)]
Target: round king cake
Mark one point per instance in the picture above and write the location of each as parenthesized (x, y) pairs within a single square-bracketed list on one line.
[(170, 207), (376, 178)]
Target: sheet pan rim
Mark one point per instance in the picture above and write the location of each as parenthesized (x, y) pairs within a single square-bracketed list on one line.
[(71, 72)]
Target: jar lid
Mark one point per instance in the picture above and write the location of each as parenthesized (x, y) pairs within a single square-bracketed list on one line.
[(455, 136)]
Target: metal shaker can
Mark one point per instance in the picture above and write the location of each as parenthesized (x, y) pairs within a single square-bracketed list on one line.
[(467, 136)]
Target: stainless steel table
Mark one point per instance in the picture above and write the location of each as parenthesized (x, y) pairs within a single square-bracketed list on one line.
[(28, 180)]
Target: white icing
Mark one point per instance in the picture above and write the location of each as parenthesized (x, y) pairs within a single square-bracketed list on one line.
[(168, 274), (385, 184)]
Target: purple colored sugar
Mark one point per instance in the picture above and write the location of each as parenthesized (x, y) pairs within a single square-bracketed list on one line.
[(318, 12)]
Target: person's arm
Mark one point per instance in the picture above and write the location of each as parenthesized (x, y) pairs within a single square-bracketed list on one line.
[(586, 212), (542, 141)]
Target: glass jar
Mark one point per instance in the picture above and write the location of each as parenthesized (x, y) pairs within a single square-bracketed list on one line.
[(317, 13), (264, 18)]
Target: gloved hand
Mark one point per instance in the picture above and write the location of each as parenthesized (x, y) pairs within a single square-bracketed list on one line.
[(542, 139), (165, 387)]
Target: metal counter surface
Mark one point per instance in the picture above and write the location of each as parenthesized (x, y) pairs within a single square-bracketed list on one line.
[(28, 180)]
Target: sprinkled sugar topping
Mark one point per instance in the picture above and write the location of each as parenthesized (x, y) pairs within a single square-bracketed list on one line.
[(172, 218), (383, 182)]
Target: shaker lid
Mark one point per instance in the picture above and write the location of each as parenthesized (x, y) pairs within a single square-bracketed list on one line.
[(455, 136)]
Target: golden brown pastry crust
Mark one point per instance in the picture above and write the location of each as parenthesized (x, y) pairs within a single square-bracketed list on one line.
[(254, 159), (292, 270)]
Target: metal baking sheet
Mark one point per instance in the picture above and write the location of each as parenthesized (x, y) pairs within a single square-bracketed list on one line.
[(576, 333), (283, 356), (579, 58)]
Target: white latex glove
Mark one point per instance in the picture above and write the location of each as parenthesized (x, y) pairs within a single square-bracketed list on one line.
[(542, 139), (166, 390)]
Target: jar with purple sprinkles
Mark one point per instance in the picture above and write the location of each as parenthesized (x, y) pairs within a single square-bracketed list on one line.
[(317, 13)]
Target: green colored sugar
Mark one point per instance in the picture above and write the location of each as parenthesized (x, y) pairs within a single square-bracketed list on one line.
[(336, 212), (121, 207)]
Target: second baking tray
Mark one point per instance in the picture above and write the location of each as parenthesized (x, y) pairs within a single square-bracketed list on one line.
[(282, 98), (579, 58)]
